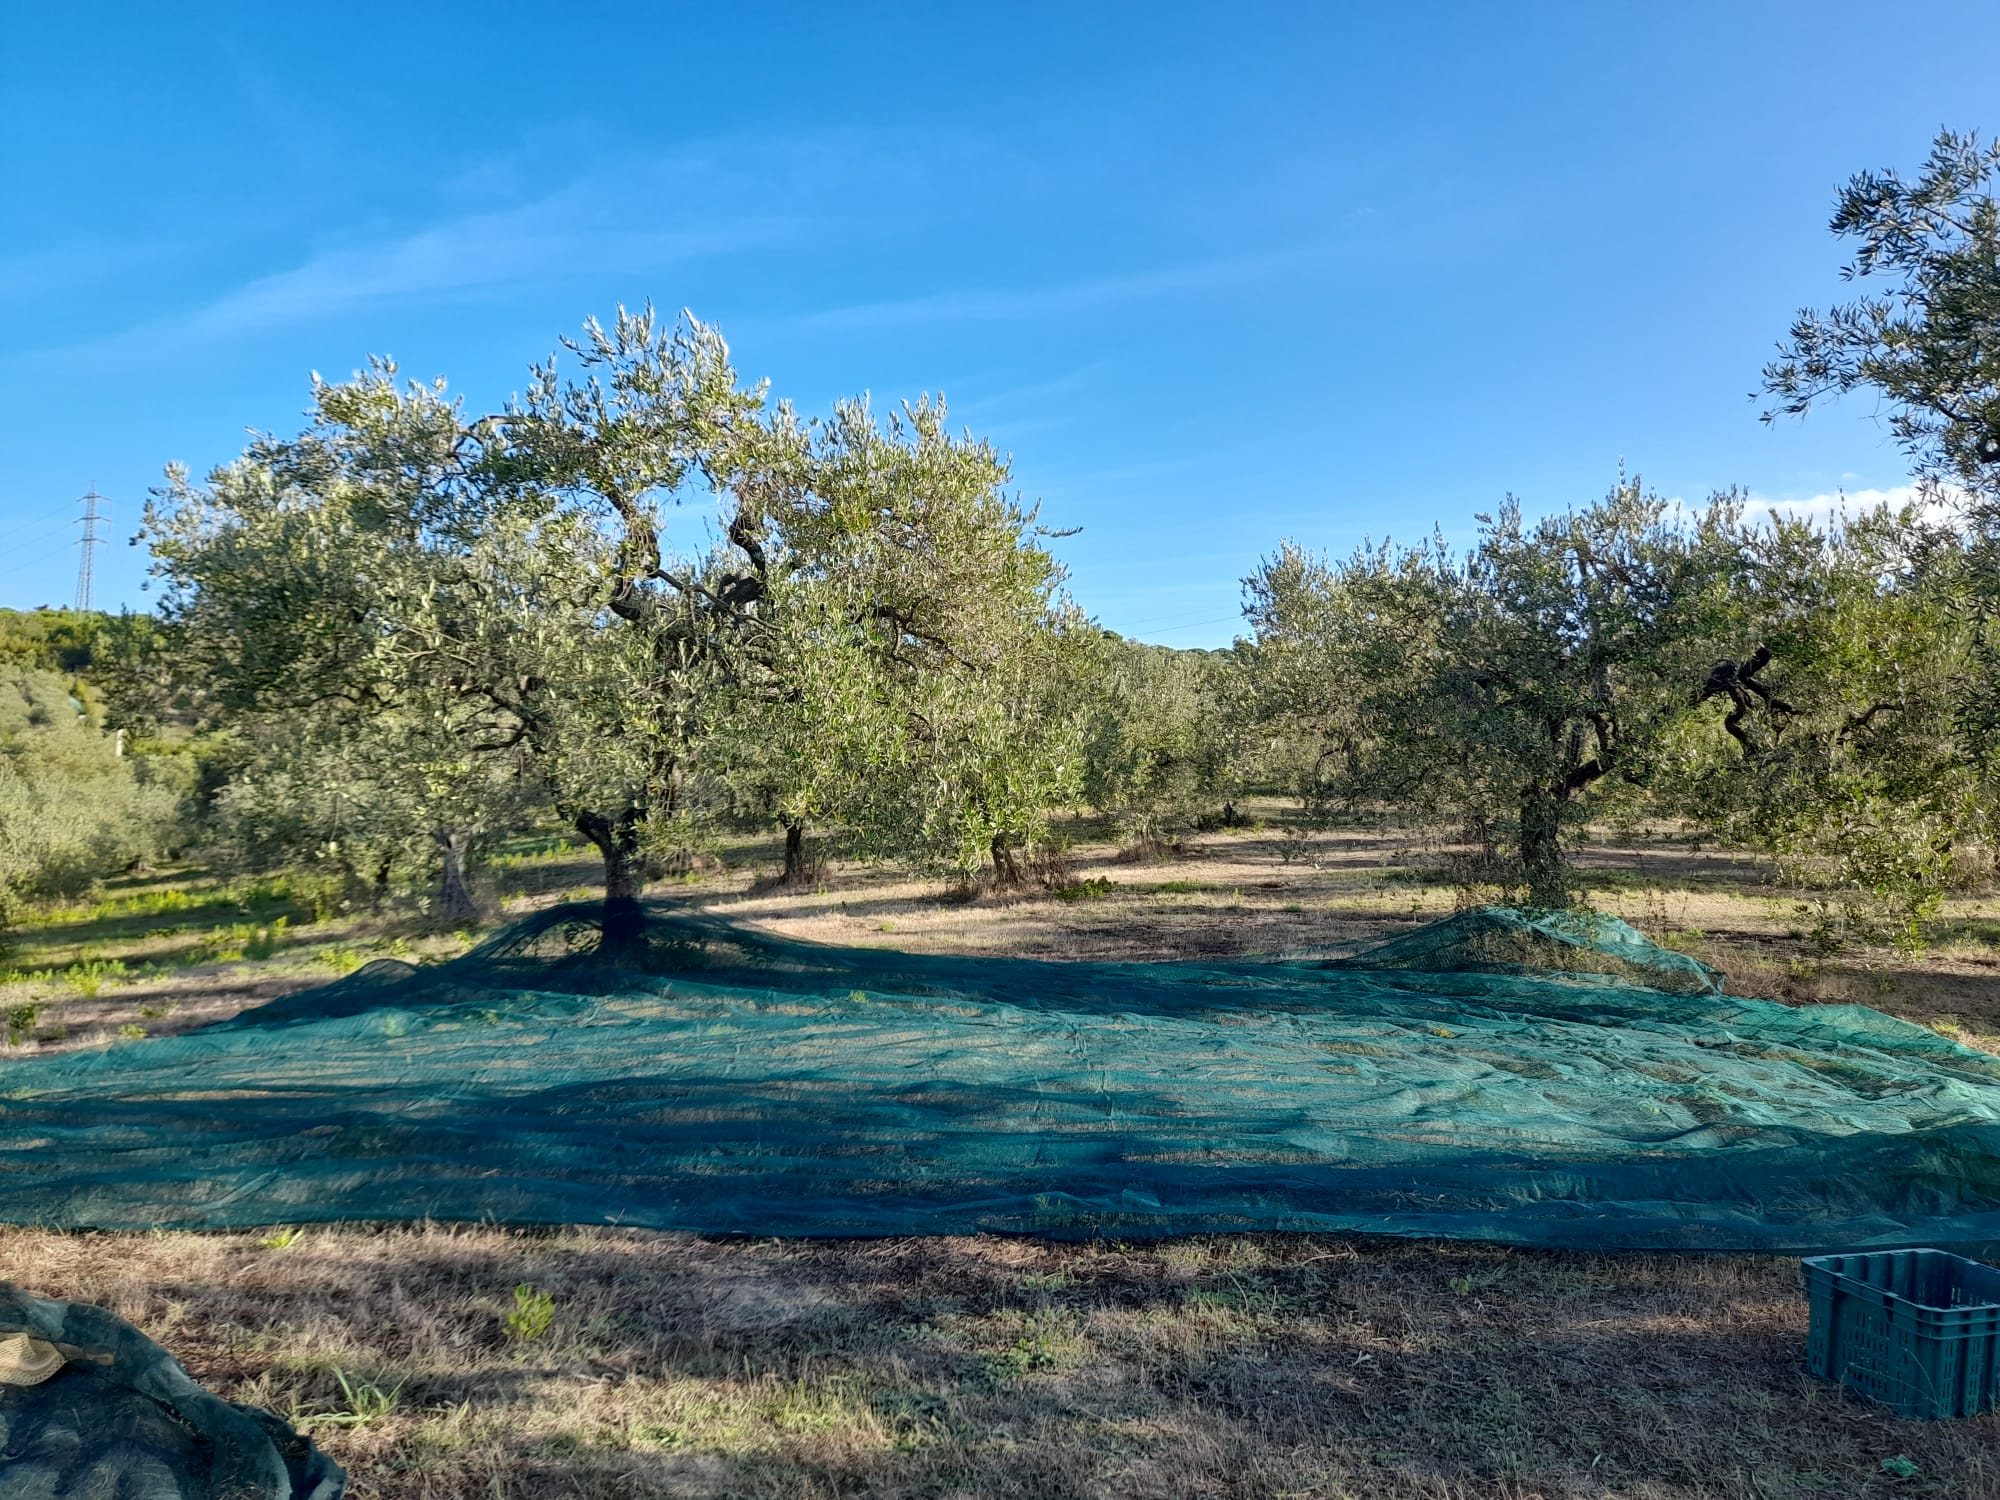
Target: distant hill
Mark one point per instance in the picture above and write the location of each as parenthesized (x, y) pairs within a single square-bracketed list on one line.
[(54, 640)]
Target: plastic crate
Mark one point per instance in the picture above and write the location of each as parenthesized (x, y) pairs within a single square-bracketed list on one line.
[(1918, 1330)]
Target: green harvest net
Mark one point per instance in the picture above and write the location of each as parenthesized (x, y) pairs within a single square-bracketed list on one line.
[(1501, 1075)]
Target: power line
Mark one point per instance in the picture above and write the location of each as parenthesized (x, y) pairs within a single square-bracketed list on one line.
[(89, 543), (9, 532), (15, 546)]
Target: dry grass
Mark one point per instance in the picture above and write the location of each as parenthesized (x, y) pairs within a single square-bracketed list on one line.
[(1222, 1366), (1247, 1366)]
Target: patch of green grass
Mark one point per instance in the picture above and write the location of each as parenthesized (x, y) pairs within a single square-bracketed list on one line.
[(340, 958), (283, 1239), (87, 978), (132, 1032), (266, 941), (1047, 1341), (1094, 889), (1050, 1281), (518, 861), (21, 1021), (655, 1435), (365, 1402), (318, 894), (146, 903)]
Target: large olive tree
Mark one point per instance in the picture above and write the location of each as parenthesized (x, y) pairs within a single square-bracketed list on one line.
[(865, 643)]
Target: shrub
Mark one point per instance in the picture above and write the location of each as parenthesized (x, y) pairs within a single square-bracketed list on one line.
[(533, 1312)]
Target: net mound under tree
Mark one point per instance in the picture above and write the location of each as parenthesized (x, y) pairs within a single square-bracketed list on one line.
[(1502, 1075)]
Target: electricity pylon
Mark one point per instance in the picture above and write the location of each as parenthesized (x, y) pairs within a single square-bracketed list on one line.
[(88, 521)]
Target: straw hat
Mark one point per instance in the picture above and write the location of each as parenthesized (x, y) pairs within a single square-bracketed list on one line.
[(25, 1360)]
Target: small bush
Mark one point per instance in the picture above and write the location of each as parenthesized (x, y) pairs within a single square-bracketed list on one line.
[(1146, 848), (1049, 867), (341, 959), (533, 1312), (21, 1021)]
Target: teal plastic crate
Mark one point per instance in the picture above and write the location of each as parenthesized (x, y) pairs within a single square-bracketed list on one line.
[(1918, 1330)]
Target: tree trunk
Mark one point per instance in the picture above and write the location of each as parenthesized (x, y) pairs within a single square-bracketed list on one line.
[(378, 895), (1542, 858), (1006, 868), (1479, 833), (455, 906), (795, 854), (618, 843)]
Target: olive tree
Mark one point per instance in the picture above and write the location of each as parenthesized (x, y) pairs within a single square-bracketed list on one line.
[(902, 642), (73, 808), (376, 602), (1166, 739), (1502, 688), (1832, 736), (1929, 341)]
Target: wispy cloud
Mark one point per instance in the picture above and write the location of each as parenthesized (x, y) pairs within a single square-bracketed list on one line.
[(624, 216), (1092, 295), (1034, 396), (472, 256), (34, 274)]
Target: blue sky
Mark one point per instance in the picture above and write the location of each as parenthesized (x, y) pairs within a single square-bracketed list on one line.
[(1215, 276)]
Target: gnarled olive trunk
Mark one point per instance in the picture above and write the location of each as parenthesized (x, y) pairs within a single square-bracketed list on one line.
[(455, 905), (617, 840), (1543, 863)]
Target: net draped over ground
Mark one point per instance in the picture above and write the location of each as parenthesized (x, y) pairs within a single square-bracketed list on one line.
[(1503, 1076)]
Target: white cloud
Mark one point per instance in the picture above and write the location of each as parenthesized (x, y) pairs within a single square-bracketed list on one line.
[(1823, 509)]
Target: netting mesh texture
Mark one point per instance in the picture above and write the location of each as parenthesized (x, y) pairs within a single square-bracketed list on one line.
[(1502, 1075)]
